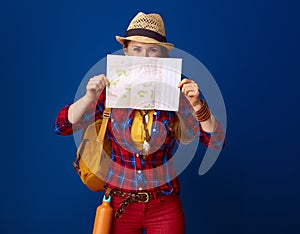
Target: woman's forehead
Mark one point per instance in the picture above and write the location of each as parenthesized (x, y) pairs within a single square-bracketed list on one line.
[(141, 44)]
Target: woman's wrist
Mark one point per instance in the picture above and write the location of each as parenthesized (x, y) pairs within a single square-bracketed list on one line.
[(89, 102), (197, 106)]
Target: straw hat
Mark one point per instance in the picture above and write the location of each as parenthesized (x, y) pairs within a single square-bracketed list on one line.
[(146, 28)]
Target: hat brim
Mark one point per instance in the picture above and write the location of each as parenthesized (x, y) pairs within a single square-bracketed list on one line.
[(144, 39)]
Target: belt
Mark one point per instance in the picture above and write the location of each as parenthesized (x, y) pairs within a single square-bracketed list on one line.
[(132, 197)]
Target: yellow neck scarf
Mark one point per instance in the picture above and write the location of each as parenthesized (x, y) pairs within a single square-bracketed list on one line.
[(137, 129)]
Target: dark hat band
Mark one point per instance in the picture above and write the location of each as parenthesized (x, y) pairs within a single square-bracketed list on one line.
[(146, 33)]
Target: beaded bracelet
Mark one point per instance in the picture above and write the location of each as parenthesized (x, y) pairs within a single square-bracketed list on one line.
[(203, 113)]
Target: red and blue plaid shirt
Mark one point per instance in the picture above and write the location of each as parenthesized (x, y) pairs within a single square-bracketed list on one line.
[(131, 171)]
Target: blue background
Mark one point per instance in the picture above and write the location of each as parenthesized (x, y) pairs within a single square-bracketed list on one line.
[(250, 47)]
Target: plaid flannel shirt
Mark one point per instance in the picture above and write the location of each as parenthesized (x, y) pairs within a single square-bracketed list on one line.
[(130, 170)]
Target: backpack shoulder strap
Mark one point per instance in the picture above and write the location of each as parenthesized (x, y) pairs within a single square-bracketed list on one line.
[(105, 117)]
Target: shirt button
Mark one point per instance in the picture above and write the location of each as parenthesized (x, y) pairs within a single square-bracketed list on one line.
[(139, 171), (140, 188), (154, 130), (137, 155)]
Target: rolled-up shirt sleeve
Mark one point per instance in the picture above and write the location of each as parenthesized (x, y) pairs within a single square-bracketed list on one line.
[(215, 139), (62, 125)]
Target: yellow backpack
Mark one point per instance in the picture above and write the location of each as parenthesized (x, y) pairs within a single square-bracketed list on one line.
[(93, 154)]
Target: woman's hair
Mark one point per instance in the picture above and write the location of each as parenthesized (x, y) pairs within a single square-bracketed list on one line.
[(164, 50)]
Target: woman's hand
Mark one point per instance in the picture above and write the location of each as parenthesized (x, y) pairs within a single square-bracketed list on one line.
[(191, 91), (95, 86)]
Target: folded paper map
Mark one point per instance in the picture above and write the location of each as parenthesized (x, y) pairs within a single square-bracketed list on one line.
[(143, 82)]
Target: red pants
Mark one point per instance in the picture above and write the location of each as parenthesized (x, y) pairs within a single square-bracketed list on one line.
[(158, 216)]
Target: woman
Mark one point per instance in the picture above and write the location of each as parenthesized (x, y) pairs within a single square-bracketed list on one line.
[(148, 198)]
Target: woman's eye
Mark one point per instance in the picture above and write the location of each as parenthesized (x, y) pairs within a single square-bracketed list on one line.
[(153, 50), (136, 49)]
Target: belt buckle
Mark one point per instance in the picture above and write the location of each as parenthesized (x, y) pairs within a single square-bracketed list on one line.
[(144, 193)]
